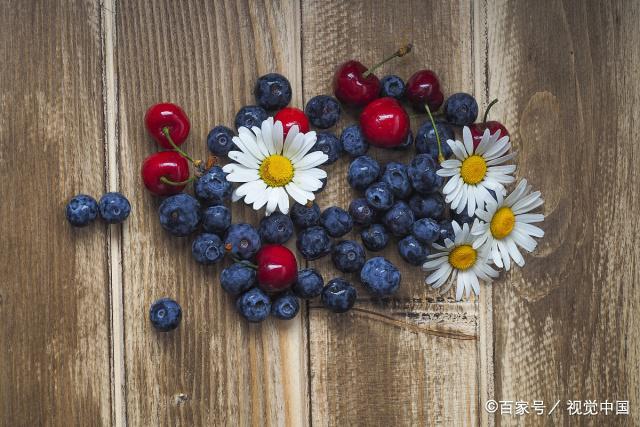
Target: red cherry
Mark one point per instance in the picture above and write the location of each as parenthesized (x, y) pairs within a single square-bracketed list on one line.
[(477, 130), (423, 88), (167, 115), (168, 164), (290, 116), (277, 268), (352, 88), (385, 123)]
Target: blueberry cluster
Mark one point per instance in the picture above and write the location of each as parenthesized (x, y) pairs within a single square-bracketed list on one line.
[(82, 209)]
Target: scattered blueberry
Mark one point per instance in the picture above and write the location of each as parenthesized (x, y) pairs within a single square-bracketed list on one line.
[(380, 277), (220, 140), (429, 206), (361, 212), (426, 231), (412, 251), (237, 278), (407, 142), (348, 256), (395, 175), (165, 314), (304, 216), (375, 237), (422, 174), (446, 231), (216, 219), (180, 214), (379, 196), (363, 171), (392, 86), (254, 305), (243, 240), (309, 283), (339, 295), (285, 306), (276, 228), (249, 116), (427, 143), (114, 208), (272, 91), (353, 142), (336, 221), (207, 248), (313, 243), (329, 144), (399, 219), (81, 210), (213, 188), (323, 111), (461, 109)]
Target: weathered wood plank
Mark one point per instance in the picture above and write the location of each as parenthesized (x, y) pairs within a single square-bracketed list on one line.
[(215, 369), (54, 296), (566, 326), (412, 360)]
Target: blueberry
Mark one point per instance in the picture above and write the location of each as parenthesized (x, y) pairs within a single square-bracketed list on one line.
[(254, 305), (395, 175), (272, 91), (207, 248), (375, 237), (243, 240), (422, 174), (220, 140), (313, 243), (114, 208), (379, 196), (276, 228), (285, 306), (392, 86), (304, 216), (216, 219), (363, 171), (361, 212), (81, 210), (338, 295), (309, 283), (237, 278), (336, 221), (380, 277), (426, 231), (399, 219), (179, 214), (461, 109), (429, 206), (446, 231), (165, 314), (462, 217), (353, 142), (212, 188), (348, 256), (427, 143), (323, 111), (407, 142), (249, 116), (329, 144), (412, 251)]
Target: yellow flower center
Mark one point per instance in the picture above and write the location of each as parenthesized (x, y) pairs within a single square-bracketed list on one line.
[(473, 169), (463, 257), (276, 171), (502, 223)]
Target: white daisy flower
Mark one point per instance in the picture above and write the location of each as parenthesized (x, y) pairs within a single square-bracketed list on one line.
[(273, 168), (460, 261), (508, 224), (475, 171)]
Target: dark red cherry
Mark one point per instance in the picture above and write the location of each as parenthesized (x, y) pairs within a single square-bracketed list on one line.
[(291, 116), (171, 117), (385, 123), (168, 164), (277, 268), (423, 87)]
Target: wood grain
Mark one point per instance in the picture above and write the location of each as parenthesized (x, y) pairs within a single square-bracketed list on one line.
[(216, 369), (411, 360), (54, 292), (566, 326)]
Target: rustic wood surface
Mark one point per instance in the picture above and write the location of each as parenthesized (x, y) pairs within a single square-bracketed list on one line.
[(76, 347)]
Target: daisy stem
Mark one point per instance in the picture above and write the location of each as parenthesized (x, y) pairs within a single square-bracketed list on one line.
[(167, 134), (486, 112), (397, 54), (435, 129), (167, 181)]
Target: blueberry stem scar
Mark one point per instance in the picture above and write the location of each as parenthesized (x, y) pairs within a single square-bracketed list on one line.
[(165, 131), (435, 129), (486, 112), (398, 53), (167, 181)]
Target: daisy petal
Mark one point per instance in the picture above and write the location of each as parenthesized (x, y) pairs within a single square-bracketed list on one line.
[(311, 160)]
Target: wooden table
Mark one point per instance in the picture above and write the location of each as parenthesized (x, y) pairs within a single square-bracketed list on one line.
[(76, 347)]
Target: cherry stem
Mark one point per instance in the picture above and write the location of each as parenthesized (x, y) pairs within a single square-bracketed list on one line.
[(435, 129), (165, 131), (397, 54), (167, 181), (486, 112)]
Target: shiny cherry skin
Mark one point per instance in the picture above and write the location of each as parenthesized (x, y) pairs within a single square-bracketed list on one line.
[(170, 116), (290, 116), (352, 88), (385, 123), (477, 130), (169, 164), (423, 87), (277, 268)]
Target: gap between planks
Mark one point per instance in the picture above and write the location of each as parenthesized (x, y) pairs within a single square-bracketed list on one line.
[(110, 95)]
